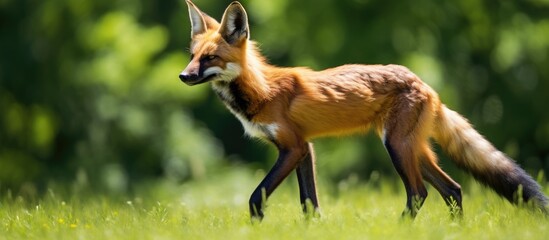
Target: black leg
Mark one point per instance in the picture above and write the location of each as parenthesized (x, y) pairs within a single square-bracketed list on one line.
[(307, 181), (287, 161), (415, 190), (446, 186)]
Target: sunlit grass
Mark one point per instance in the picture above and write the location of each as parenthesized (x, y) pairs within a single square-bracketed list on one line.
[(217, 209)]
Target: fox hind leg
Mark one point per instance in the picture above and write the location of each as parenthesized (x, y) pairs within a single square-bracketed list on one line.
[(406, 130), (445, 185), (410, 176)]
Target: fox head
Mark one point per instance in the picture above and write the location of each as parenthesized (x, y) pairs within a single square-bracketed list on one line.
[(217, 49)]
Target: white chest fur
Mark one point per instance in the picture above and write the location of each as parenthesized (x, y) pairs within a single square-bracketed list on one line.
[(252, 129), (258, 130)]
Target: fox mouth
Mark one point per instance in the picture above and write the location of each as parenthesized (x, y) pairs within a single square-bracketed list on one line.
[(196, 81)]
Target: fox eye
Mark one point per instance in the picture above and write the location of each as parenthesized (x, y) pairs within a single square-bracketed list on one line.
[(209, 57)]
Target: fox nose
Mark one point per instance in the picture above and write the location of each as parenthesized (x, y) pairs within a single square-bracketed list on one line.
[(185, 76)]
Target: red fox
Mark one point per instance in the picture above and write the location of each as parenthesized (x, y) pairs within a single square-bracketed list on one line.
[(289, 107)]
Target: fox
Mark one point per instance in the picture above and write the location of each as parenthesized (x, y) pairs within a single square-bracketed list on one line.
[(291, 106)]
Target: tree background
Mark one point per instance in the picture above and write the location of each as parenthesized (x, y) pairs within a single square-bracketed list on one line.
[(90, 95)]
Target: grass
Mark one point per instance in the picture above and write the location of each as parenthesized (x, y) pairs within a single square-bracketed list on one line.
[(217, 209)]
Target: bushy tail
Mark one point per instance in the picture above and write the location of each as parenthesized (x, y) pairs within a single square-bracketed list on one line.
[(489, 166)]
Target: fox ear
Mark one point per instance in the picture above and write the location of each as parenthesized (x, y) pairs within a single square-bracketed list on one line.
[(198, 24), (234, 25)]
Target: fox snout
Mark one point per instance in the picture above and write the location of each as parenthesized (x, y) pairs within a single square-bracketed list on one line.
[(192, 74), (188, 77)]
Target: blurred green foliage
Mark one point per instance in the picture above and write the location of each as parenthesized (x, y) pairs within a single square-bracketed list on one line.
[(89, 92)]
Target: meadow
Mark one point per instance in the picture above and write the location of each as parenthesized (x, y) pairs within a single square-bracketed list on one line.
[(216, 208), (90, 100)]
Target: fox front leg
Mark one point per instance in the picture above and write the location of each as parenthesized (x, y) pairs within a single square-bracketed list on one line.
[(288, 159), (307, 183)]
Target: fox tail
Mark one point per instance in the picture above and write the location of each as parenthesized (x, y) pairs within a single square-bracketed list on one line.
[(473, 153)]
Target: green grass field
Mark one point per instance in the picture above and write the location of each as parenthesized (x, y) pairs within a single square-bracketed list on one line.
[(217, 209)]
